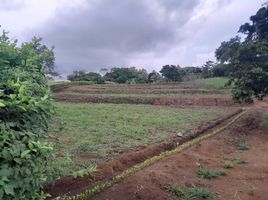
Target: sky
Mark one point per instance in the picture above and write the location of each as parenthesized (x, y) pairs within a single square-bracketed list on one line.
[(93, 34)]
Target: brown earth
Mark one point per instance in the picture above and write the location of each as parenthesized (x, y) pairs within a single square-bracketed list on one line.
[(243, 182), (169, 101), (70, 186), (140, 89)]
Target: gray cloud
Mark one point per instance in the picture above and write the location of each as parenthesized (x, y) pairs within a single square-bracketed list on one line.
[(108, 33)]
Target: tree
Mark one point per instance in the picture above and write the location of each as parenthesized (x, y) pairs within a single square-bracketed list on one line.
[(103, 71), (227, 50), (249, 59), (126, 75), (80, 75), (172, 73), (207, 69), (221, 70), (154, 77)]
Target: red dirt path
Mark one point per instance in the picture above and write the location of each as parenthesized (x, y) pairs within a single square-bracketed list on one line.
[(243, 182)]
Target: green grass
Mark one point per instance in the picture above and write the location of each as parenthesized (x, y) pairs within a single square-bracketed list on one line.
[(228, 165), (206, 173), (217, 83), (237, 160), (87, 134), (58, 86), (242, 147), (190, 193)]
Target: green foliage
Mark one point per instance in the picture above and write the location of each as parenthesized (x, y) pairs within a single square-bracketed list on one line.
[(154, 77), (242, 147), (207, 69), (248, 58), (86, 76), (237, 160), (59, 86), (127, 75), (216, 82), (25, 108), (172, 73), (190, 193), (228, 165), (205, 173), (85, 172)]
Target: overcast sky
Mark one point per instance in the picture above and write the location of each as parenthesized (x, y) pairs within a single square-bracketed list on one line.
[(92, 34)]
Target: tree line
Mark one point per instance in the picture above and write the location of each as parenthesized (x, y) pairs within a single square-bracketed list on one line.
[(168, 73)]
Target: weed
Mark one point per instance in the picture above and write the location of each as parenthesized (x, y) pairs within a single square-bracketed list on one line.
[(228, 165), (205, 173), (85, 172), (190, 193), (237, 160), (242, 147)]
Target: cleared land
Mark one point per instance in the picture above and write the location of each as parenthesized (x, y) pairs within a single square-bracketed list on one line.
[(87, 134), (208, 92)]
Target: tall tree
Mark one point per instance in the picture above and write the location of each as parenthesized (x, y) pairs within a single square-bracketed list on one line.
[(248, 58), (172, 73)]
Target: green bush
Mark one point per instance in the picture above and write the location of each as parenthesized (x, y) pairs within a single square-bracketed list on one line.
[(25, 109)]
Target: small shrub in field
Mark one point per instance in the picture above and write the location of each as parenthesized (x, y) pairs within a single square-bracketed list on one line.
[(237, 160), (242, 147), (228, 165), (205, 173), (190, 193)]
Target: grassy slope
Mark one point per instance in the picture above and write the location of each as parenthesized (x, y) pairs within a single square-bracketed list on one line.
[(93, 133), (217, 83)]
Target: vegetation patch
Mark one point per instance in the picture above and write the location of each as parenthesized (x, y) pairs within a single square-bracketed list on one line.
[(86, 134), (242, 147), (216, 82), (228, 165), (206, 173), (237, 160), (190, 193)]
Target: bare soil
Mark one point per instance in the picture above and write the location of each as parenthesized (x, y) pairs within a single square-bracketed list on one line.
[(140, 89), (243, 182), (168, 101)]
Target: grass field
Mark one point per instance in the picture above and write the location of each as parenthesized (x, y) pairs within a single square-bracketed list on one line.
[(86, 134), (217, 83)]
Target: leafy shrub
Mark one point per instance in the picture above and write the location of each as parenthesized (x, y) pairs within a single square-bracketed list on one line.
[(25, 108)]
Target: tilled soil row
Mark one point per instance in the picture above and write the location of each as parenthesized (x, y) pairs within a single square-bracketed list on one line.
[(71, 186), (167, 101)]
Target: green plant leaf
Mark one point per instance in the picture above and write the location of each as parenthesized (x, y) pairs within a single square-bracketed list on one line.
[(9, 189), (2, 104), (24, 153)]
